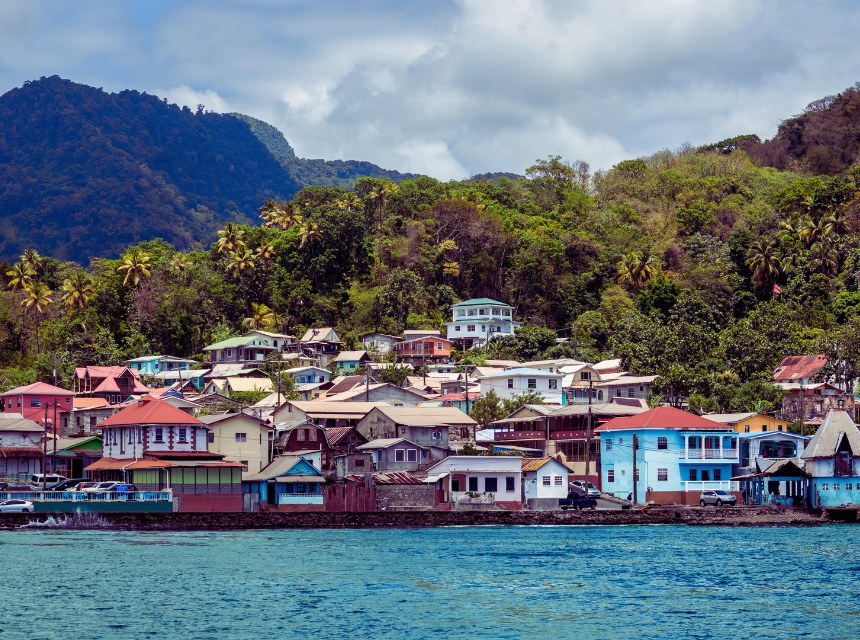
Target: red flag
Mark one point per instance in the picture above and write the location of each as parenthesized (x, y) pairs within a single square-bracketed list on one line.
[(776, 289)]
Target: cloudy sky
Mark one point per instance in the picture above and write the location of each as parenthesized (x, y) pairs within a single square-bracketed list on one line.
[(455, 87)]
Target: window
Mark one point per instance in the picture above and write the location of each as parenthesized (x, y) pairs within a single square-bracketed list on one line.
[(210, 438), (131, 436), (113, 436), (836, 486), (140, 436), (484, 327), (718, 474), (312, 435), (557, 481), (183, 434), (662, 442), (359, 463), (610, 475), (532, 383), (779, 428), (764, 427), (159, 434), (35, 402), (631, 392), (546, 481), (229, 353), (706, 475), (584, 375), (473, 483), (746, 428), (455, 484), (300, 436), (608, 444), (553, 384), (412, 455), (825, 487), (663, 475), (510, 383), (244, 464), (241, 437), (491, 485), (693, 475), (439, 346), (470, 327), (509, 484), (400, 455), (437, 435), (849, 486)]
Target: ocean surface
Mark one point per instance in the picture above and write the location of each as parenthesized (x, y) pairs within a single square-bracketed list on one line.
[(457, 582)]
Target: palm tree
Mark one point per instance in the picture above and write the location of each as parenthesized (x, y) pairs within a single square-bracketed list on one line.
[(766, 266), (21, 276), (824, 257), (283, 216), (636, 268), (36, 300), (265, 252), (179, 262), (814, 230), (135, 264), (242, 262), (231, 238), (32, 259), (309, 231), (349, 202), (77, 290), (261, 317)]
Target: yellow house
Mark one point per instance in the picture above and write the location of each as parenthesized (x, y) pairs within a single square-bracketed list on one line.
[(749, 422), (241, 438)]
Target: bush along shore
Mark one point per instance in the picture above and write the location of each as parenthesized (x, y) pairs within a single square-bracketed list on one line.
[(401, 519)]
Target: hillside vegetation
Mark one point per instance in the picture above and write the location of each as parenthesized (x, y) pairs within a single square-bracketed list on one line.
[(703, 266)]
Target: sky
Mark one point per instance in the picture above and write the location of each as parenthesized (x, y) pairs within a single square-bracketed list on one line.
[(452, 88)]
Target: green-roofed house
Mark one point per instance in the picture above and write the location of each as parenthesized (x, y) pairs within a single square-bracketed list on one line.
[(475, 322), (252, 347)]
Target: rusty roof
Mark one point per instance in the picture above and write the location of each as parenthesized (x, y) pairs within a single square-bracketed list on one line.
[(799, 367)]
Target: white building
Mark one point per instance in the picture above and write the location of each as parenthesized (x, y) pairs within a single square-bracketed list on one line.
[(544, 478), (475, 322), (514, 382), (497, 478)]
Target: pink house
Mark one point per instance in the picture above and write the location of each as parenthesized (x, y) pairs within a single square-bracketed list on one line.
[(40, 400)]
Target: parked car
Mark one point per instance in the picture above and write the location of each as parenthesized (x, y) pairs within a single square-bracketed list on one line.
[(580, 488), (16, 506), (45, 481), (124, 487), (577, 501), (68, 485), (4, 486), (101, 486), (85, 485), (717, 497)]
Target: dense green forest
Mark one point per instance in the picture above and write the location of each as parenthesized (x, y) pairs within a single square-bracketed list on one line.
[(85, 173), (705, 266)]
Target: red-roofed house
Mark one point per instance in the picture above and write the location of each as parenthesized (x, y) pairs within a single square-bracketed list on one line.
[(156, 446), (799, 369), (114, 384), (667, 456), (32, 400)]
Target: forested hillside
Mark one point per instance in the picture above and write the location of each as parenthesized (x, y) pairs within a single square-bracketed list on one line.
[(702, 266)]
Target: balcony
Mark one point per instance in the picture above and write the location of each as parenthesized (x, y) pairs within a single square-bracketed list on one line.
[(300, 498), (717, 455), (510, 436), (701, 485)]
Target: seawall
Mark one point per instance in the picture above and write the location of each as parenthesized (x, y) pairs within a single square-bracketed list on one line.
[(411, 519)]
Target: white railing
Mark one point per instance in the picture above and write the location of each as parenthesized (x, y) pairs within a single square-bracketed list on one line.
[(701, 485), (709, 454), (300, 498), (77, 496)]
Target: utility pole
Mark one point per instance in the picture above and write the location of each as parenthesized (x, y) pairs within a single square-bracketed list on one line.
[(801, 407), (588, 435), (635, 484), (45, 451), (56, 432)]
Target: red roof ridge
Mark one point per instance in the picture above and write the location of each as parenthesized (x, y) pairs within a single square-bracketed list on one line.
[(662, 418), (150, 411)]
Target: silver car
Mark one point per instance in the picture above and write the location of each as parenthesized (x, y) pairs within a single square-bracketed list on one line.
[(717, 497), (16, 506), (580, 488)]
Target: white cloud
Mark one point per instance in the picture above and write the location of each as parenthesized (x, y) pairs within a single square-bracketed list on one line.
[(185, 96)]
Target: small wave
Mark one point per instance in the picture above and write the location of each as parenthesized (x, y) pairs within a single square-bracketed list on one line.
[(75, 520)]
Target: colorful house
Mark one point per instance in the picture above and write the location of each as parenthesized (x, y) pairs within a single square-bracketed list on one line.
[(514, 382), (73, 455), (832, 460), (289, 483), (308, 375), (241, 438), (351, 361), (20, 447), (114, 384), (151, 365), (667, 456), (545, 481), (477, 321), (39, 401), (395, 454), (749, 422), (423, 350), (427, 427), (253, 347)]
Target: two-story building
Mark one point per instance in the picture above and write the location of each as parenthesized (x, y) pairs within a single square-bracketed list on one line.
[(423, 351), (395, 454), (475, 322), (157, 446), (151, 365), (320, 343), (241, 438), (251, 349), (427, 427), (114, 384), (832, 460), (20, 447), (40, 401), (351, 361), (381, 343), (308, 375), (667, 456), (514, 382)]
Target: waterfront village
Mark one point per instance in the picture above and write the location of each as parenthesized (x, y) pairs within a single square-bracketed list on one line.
[(175, 434)]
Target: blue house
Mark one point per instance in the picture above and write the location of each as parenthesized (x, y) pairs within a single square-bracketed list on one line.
[(676, 455), (832, 460), (151, 365), (351, 361), (309, 375), (288, 483)]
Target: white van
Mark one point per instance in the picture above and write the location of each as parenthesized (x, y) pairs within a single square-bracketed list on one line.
[(40, 481)]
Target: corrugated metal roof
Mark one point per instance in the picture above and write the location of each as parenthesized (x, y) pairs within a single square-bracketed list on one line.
[(729, 418), (426, 416), (534, 464), (19, 423), (825, 443), (799, 367), (37, 388), (662, 418), (149, 412)]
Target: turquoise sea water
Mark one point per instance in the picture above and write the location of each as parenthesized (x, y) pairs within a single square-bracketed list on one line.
[(469, 582)]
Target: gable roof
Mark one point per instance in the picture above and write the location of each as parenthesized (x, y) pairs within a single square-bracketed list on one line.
[(384, 443), (477, 302), (286, 466), (359, 391), (729, 418), (825, 443), (345, 383), (351, 356), (37, 388), (17, 422), (231, 343), (334, 435), (522, 371), (662, 418), (146, 411), (534, 464), (799, 367), (320, 334), (215, 418)]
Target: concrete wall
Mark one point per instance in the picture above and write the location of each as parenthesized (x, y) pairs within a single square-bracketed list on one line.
[(406, 495)]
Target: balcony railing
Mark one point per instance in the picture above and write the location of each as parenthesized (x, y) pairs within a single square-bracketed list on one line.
[(78, 496), (729, 455), (300, 498), (701, 485)]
